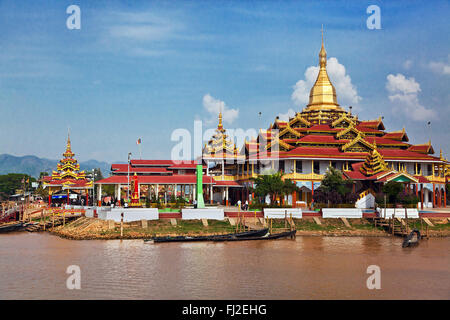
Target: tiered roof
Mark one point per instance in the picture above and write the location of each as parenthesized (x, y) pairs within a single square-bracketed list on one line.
[(68, 174), (219, 146), (374, 163)]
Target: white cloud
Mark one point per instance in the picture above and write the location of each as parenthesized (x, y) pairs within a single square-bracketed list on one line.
[(346, 92), (440, 67), (286, 116), (214, 106), (404, 93)]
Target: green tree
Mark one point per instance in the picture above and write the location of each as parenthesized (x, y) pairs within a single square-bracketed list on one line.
[(333, 181), (11, 182), (273, 185), (392, 190)]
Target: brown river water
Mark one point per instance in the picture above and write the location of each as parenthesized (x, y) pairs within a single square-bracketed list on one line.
[(33, 266)]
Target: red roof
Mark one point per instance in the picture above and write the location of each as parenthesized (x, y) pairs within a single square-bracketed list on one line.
[(397, 135), (422, 148), (396, 154), (227, 184), (124, 168), (161, 162), (384, 141), (368, 129), (314, 138), (70, 183), (176, 179)]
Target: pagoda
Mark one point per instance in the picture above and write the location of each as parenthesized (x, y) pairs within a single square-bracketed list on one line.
[(324, 134), (374, 163), (67, 178), (219, 145)]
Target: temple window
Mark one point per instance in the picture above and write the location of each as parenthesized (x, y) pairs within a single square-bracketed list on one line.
[(317, 167), (298, 166)]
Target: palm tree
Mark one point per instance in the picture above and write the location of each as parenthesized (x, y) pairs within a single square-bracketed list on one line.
[(273, 185)]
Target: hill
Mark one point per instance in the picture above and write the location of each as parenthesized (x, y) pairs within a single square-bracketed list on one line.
[(33, 165)]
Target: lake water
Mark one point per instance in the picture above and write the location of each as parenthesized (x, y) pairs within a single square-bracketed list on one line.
[(33, 266)]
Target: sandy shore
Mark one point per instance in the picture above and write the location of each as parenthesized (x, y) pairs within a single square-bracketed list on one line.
[(96, 229)]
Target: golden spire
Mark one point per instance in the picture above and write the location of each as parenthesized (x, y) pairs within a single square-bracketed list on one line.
[(68, 147), (323, 94), (220, 126)]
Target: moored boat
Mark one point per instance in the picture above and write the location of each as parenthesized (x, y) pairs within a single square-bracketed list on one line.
[(273, 236), (246, 234), (412, 239), (9, 227)]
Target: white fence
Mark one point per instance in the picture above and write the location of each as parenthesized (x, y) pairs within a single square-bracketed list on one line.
[(398, 212), (129, 214), (207, 213), (341, 213), (280, 213)]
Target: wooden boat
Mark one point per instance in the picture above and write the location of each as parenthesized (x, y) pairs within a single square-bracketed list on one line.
[(412, 239), (246, 234), (9, 227), (274, 236)]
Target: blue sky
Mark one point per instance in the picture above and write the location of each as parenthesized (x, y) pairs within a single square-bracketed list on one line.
[(141, 69)]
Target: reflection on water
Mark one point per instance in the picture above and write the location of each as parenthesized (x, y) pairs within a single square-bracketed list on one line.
[(33, 266)]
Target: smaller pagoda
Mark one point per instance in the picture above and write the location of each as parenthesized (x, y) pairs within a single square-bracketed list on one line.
[(219, 145), (374, 163), (67, 179)]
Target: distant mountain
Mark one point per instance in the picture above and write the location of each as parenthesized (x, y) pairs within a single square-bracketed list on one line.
[(33, 165)]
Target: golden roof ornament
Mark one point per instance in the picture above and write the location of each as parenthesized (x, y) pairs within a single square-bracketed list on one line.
[(323, 94)]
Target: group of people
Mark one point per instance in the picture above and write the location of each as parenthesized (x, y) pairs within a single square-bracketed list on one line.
[(243, 206), (114, 202)]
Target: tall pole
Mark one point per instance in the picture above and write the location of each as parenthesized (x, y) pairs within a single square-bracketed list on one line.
[(93, 189), (128, 188)]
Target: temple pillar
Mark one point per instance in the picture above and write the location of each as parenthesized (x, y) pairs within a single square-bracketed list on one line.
[(207, 167), (294, 198), (226, 197), (421, 195), (223, 169), (87, 197), (434, 193), (119, 191), (312, 191), (445, 197), (211, 194), (68, 194), (99, 194)]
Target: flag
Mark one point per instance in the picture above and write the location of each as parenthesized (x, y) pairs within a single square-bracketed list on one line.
[(138, 141), (28, 180)]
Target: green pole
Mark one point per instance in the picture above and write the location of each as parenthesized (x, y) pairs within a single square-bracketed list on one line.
[(200, 201)]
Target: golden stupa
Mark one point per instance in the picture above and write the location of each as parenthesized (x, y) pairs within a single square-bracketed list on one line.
[(323, 106)]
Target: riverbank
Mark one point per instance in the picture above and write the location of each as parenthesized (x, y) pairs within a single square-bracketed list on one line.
[(91, 228)]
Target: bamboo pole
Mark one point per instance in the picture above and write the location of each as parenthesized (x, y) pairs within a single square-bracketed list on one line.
[(285, 219), (121, 225)]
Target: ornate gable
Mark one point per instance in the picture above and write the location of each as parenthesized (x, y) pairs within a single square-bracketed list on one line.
[(299, 122), (350, 133), (358, 144), (343, 122)]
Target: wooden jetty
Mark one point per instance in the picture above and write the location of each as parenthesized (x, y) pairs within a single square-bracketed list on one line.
[(399, 226)]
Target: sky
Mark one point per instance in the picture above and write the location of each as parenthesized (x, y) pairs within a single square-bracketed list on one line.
[(142, 69)]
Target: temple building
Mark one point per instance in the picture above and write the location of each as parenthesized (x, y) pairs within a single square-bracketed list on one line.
[(161, 179), (68, 184), (324, 134)]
